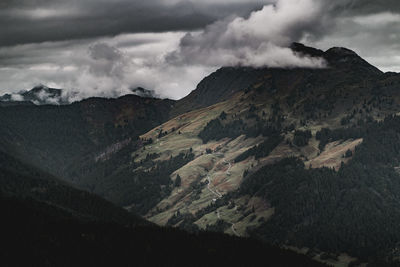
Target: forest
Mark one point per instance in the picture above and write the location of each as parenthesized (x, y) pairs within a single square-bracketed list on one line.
[(355, 209), (253, 126), (140, 184)]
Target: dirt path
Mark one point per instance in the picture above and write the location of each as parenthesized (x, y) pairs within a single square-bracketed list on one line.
[(219, 195), (230, 166), (234, 230), (216, 193)]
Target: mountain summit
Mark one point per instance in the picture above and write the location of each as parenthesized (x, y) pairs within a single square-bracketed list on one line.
[(337, 57), (343, 65), (306, 50), (39, 95)]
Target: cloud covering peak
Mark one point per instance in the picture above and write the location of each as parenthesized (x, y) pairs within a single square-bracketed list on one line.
[(262, 39)]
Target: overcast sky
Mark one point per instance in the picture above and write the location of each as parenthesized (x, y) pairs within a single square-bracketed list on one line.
[(106, 47)]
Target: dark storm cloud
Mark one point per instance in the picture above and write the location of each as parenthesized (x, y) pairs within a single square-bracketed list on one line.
[(374, 6), (44, 20), (32, 21)]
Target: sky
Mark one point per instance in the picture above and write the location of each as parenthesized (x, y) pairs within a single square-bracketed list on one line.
[(107, 47)]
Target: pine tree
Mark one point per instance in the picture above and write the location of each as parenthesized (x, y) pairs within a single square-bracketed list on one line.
[(178, 181)]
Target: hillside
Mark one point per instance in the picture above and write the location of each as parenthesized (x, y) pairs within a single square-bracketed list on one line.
[(304, 158), (22, 181), (61, 139), (344, 67), (322, 117), (52, 224)]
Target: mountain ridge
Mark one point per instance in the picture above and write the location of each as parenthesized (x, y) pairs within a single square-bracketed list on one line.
[(226, 81), (336, 57), (43, 95)]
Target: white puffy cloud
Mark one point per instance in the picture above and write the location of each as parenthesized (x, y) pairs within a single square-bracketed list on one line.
[(105, 67), (262, 39), (17, 97)]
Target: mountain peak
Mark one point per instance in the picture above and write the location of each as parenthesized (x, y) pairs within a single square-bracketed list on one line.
[(343, 65), (306, 50), (142, 92), (341, 54), (340, 57), (42, 89), (341, 51), (39, 87), (38, 95)]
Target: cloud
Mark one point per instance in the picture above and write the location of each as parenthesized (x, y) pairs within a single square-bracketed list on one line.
[(378, 20), (104, 67), (170, 63), (365, 7), (106, 48), (17, 97), (260, 40), (46, 97), (25, 21), (106, 60)]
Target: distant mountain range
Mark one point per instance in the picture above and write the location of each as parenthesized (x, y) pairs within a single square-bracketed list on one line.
[(39, 95), (307, 159), (43, 95)]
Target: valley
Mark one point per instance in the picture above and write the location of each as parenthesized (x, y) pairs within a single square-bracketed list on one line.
[(301, 158)]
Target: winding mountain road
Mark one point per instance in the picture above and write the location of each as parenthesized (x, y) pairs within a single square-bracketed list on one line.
[(216, 193), (230, 165), (219, 195)]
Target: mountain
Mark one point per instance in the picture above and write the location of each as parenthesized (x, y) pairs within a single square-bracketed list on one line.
[(303, 158), (39, 95), (57, 138), (228, 81), (246, 122), (139, 91), (43, 95)]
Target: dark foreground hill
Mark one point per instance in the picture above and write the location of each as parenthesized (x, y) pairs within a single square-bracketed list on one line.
[(46, 222), (36, 234)]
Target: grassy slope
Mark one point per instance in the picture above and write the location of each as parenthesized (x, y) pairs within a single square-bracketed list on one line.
[(193, 195)]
